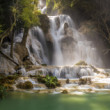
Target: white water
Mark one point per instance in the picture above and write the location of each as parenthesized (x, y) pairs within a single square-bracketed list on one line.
[(70, 46), (36, 46)]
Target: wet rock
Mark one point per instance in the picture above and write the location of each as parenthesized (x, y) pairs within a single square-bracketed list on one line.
[(49, 37), (66, 27), (5, 45), (65, 91), (83, 81), (67, 81), (83, 63), (57, 20), (21, 71), (45, 23), (62, 75), (25, 85), (22, 54)]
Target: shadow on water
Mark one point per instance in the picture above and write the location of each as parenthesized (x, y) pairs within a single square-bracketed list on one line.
[(26, 101)]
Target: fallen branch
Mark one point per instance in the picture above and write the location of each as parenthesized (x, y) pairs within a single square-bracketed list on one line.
[(7, 57)]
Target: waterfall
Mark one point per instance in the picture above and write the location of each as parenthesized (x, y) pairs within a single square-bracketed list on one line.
[(69, 45), (36, 46)]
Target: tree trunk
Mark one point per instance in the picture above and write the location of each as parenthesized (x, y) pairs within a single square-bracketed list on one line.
[(25, 37), (12, 42)]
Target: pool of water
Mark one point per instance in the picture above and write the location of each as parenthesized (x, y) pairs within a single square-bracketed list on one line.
[(27, 101)]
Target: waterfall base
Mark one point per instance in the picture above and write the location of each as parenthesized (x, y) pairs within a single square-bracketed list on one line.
[(73, 79)]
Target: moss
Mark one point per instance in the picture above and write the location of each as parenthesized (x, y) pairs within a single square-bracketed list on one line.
[(95, 69), (67, 81), (10, 79), (58, 84), (32, 76), (8, 87), (65, 92), (41, 79), (25, 85), (81, 63), (84, 81), (44, 64)]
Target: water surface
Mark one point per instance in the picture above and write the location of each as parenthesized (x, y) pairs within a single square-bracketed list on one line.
[(27, 101)]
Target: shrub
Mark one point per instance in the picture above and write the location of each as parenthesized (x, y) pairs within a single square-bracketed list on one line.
[(41, 79), (49, 81), (2, 92)]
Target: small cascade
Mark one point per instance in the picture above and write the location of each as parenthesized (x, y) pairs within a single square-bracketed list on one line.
[(42, 6), (36, 46), (65, 72)]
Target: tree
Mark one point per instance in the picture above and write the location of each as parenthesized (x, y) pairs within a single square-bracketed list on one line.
[(28, 16)]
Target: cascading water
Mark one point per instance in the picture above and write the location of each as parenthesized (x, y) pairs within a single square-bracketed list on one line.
[(36, 46), (70, 46)]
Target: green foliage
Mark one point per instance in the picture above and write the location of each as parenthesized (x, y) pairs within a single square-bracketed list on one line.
[(2, 92), (8, 81), (49, 81), (28, 13), (17, 14), (61, 4)]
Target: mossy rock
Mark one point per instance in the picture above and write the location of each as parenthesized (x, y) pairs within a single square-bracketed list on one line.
[(25, 85), (41, 79), (8, 79), (8, 87), (44, 23), (65, 92), (85, 81), (82, 63), (44, 64), (67, 81)]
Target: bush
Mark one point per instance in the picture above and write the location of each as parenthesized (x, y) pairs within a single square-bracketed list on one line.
[(8, 87), (25, 85), (2, 92), (8, 79), (41, 79), (49, 81)]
